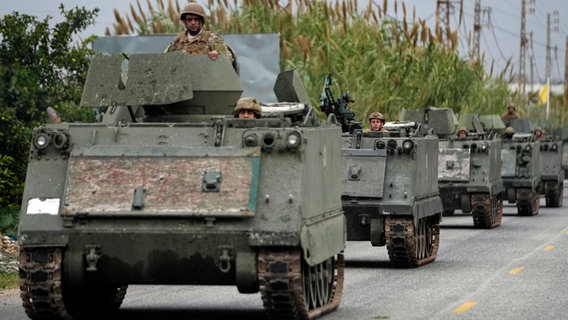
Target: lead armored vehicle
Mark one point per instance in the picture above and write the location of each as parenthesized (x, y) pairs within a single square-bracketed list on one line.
[(172, 189), (521, 169), (390, 190), (469, 168)]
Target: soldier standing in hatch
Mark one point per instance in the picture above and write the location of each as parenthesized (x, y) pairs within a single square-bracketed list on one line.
[(195, 40), (376, 121), (511, 113)]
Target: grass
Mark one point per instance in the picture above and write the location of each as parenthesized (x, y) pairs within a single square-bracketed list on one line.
[(388, 64), (9, 280)]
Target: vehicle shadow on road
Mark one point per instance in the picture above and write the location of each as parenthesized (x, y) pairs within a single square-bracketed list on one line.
[(179, 314), (368, 264)]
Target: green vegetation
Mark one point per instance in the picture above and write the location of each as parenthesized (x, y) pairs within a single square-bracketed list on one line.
[(385, 64), (39, 67), (9, 280)]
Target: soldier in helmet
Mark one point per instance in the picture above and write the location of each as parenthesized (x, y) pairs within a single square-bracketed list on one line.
[(376, 121), (462, 132), (194, 39), (509, 132), (511, 113), (539, 133), (247, 108)]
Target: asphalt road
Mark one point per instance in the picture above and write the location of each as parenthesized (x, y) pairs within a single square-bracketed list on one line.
[(517, 271)]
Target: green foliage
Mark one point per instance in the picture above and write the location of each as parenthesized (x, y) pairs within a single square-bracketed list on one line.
[(40, 66), (9, 280), (10, 193)]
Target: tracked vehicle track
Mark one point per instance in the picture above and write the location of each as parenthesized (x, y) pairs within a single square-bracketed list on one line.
[(528, 202), (554, 196), (291, 289), (41, 288), (487, 212), (40, 284), (412, 246)]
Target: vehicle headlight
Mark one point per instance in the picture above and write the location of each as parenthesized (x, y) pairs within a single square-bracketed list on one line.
[(41, 140), (528, 148), (554, 147), (380, 144), (484, 147), (60, 140), (293, 140), (250, 140), (407, 145)]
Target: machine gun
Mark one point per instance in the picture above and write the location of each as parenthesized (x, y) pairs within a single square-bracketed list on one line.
[(338, 107)]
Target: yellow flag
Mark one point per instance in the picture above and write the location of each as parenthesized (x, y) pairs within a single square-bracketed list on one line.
[(543, 94)]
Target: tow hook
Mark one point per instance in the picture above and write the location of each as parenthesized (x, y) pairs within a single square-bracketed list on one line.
[(225, 258), (92, 255)]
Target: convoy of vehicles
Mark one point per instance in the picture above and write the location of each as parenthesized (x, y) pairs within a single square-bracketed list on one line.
[(170, 188)]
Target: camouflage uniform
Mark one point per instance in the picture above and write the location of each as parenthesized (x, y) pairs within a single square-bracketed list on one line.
[(204, 42)]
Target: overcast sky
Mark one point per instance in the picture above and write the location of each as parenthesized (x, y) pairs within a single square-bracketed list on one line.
[(500, 33)]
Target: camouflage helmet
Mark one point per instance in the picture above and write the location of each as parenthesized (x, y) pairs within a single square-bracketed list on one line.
[(247, 103), (192, 8), (464, 129), (511, 105), (509, 130), (377, 115)]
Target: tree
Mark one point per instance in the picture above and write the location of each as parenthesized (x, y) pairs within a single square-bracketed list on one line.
[(40, 66)]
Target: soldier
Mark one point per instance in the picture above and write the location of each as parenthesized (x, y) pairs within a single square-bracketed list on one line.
[(462, 132), (509, 132), (247, 108), (538, 133), (377, 121), (194, 39), (511, 113)]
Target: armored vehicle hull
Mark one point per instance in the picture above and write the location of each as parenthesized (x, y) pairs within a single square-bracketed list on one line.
[(469, 179), (207, 199), (469, 168), (551, 153), (521, 172), (390, 193)]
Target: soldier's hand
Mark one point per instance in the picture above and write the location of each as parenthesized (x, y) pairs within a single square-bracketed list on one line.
[(213, 54)]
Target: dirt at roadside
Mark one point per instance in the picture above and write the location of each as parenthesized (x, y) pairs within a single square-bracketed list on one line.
[(9, 251)]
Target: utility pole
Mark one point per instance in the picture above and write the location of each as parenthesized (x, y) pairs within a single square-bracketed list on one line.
[(443, 18), (476, 29), (565, 100), (443, 30), (548, 57), (523, 53), (532, 61)]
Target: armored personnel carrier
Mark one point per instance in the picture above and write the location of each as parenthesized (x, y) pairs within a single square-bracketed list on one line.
[(521, 169), (551, 154), (469, 168), (172, 189), (390, 193)]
